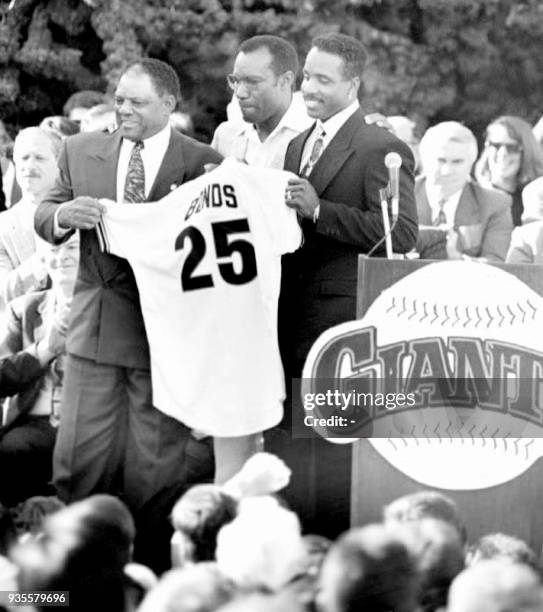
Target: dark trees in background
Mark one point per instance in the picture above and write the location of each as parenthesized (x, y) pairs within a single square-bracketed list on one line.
[(469, 60)]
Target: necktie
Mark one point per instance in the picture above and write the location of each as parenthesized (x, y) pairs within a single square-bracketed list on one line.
[(134, 187), (315, 154), (441, 218)]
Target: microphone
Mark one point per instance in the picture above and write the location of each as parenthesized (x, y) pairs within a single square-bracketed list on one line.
[(393, 162)]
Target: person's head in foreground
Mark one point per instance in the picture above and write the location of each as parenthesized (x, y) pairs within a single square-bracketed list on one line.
[(502, 546), (83, 549), (369, 569), (439, 555), (425, 504), (262, 548), (496, 585)]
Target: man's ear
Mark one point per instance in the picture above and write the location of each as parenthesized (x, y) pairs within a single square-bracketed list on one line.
[(288, 79), (170, 102), (356, 85)]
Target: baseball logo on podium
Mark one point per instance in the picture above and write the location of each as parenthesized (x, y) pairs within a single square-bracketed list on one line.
[(443, 376)]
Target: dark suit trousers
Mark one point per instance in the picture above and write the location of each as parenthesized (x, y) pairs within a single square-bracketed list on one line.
[(319, 489), (111, 439)]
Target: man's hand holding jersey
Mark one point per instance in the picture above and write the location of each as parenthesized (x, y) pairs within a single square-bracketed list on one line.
[(81, 213), (301, 195)]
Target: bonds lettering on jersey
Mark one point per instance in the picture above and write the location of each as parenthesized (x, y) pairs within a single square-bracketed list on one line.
[(213, 195), (461, 372)]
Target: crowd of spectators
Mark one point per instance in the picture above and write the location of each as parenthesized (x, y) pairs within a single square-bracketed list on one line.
[(239, 547)]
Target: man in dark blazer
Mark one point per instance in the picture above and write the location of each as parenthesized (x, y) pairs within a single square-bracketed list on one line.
[(108, 420), (337, 199), (458, 218)]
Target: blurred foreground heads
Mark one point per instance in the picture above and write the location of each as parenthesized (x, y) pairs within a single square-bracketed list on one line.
[(83, 550), (496, 586), (262, 547), (368, 569)]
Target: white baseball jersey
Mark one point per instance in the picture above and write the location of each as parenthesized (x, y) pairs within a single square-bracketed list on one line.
[(207, 261)]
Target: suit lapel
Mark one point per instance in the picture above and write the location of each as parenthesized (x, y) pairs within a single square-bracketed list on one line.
[(423, 206), (103, 162), (335, 154), (467, 212), (172, 169), (102, 168), (293, 159)]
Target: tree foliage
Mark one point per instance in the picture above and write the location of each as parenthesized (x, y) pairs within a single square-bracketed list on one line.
[(469, 60)]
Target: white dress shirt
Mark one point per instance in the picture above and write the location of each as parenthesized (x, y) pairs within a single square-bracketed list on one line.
[(239, 139), (152, 154), (449, 206)]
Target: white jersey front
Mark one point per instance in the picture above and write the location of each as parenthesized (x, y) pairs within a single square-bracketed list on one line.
[(207, 261)]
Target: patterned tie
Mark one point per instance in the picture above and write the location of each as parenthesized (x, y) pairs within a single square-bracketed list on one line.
[(134, 187), (315, 154), (441, 218)]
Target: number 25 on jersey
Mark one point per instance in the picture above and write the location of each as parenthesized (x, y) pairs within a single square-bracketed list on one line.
[(225, 247)]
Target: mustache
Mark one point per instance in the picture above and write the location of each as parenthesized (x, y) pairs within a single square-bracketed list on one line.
[(31, 174)]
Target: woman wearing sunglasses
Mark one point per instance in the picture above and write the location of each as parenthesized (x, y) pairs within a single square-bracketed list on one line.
[(511, 158)]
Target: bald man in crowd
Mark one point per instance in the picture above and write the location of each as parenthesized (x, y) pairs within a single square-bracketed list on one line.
[(458, 218)]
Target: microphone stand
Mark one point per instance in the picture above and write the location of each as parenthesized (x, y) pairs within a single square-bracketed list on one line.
[(383, 195), (387, 237)]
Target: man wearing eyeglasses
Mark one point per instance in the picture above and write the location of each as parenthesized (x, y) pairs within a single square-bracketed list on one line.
[(263, 82), (267, 113), (458, 218)]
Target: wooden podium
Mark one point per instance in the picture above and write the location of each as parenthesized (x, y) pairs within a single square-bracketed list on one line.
[(514, 507)]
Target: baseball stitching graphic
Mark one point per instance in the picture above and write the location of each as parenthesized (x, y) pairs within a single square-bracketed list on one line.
[(492, 346)]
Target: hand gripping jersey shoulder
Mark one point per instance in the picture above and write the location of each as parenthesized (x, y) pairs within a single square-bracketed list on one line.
[(207, 263)]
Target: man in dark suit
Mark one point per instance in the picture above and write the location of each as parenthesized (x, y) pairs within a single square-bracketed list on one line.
[(108, 419), (458, 218), (340, 163)]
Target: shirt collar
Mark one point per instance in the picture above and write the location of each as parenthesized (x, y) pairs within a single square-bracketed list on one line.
[(333, 124), (159, 140), (295, 119), (434, 196)]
